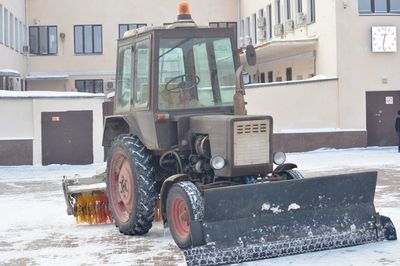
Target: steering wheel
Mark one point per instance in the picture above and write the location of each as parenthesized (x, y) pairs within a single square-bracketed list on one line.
[(182, 85)]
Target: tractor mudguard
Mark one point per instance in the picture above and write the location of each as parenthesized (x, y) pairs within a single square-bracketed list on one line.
[(284, 167), (264, 220)]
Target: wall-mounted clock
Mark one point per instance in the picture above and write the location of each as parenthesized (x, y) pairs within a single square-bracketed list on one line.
[(384, 39)]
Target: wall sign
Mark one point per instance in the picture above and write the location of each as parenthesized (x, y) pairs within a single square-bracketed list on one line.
[(389, 99)]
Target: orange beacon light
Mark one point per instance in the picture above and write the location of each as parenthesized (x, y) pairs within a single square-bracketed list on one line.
[(183, 11)]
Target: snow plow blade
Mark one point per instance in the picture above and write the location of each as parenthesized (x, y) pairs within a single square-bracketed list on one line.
[(266, 220), (86, 199)]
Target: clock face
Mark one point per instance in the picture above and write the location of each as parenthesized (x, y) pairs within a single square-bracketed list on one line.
[(384, 39)]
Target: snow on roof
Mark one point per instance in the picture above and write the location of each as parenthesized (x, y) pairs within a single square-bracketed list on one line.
[(316, 78), (47, 77), (318, 130), (48, 94), (9, 72)]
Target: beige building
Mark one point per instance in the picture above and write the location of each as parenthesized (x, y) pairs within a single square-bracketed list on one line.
[(351, 50), (326, 69), (13, 39), (83, 54)]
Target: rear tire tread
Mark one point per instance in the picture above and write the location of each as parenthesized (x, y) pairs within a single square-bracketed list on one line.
[(141, 222)]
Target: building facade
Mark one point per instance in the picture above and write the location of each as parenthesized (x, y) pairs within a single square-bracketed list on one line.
[(354, 42), (81, 37), (13, 41)]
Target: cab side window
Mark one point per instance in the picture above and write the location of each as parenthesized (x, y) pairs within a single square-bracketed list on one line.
[(142, 74), (124, 79)]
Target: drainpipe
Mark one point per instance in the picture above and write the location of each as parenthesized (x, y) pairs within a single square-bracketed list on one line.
[(26, 37), (239, 26)]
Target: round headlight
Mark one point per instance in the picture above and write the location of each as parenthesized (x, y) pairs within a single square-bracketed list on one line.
[(279, 158), (217, 162)]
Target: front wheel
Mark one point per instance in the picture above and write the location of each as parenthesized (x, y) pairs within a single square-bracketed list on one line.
[(184, 204), (293, 174), (130, 185)]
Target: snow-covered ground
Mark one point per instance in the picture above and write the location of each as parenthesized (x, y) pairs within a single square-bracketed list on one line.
[(35, 229)]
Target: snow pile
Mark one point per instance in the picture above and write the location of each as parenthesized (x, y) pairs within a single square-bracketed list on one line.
[(35, 229), (293, 206), (336, 159)]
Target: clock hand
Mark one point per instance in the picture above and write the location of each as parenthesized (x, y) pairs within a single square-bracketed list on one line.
[(384, 39)]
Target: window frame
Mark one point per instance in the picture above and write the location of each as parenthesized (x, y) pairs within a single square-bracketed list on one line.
[(254, 28), (1, 24), (16, 33), (278, 17), (48, 40), (12, 31), (372, 9), (124, 45), (311, 11), (93, 39), (86, 81), (228, 25), (268, 18), (128, 25), (288, 10), (6, 27), (146, 107)]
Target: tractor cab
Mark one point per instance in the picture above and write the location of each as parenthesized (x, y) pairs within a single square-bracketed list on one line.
[(164, 73), (170, 68)]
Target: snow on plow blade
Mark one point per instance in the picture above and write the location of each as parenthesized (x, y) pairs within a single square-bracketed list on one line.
[(86, 199), (251, 222)]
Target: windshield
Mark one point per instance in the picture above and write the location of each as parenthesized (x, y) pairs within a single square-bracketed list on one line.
[(195, 73)]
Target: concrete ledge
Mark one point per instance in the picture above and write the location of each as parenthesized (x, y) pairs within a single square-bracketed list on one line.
[(299, 142), (16, 152)]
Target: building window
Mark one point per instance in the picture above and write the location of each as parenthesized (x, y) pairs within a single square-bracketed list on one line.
[(289, 74), (262, 77), (88, 39), (394, 6), (254, 26), (278, 12), (1, 24), (122, 28), (378, 6), (16, 35), (89, 85), (270, 76), (6, 28), (288, 10), (242, 33), (232, 25), (21, 37), (268, 19), (12, 31), (43, 40), (262, 25), (310, 11), (298, 6), (248, 32)]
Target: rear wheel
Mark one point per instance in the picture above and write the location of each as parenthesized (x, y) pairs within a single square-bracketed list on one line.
[(184, 204), (130, 185)]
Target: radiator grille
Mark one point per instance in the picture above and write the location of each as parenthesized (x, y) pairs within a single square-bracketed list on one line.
[(251, 142)]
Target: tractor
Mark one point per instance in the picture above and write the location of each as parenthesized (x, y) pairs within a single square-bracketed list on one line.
[(180, 134)]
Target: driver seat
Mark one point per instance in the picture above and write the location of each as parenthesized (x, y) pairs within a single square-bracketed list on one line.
[(168, 99)]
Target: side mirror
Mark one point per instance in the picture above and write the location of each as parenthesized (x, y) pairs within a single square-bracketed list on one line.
[(245, 78), (251, 55)]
